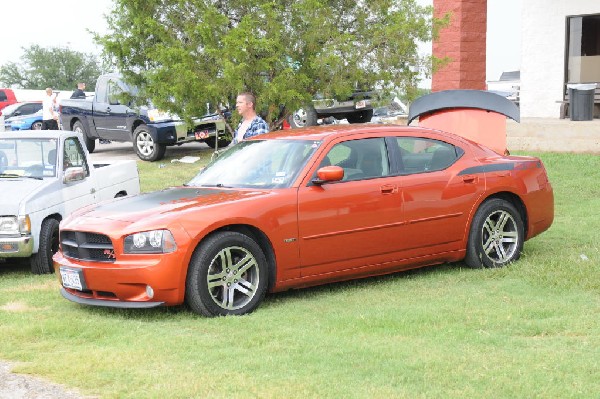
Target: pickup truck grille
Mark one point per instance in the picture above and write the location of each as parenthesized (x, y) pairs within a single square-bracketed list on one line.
[(87, 246)]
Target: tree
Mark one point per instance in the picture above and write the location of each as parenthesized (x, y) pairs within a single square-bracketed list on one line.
[(55, 67), (185, 53)]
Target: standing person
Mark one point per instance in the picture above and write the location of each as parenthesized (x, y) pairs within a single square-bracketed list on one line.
[(79, 92), (49, 114), (251, 124)]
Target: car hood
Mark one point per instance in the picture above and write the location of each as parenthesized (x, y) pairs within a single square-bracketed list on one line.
[(19, 188), (161, 204), (21, 118)]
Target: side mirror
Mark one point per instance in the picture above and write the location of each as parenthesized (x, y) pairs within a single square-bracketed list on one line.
[(72, 174), (329, 174)]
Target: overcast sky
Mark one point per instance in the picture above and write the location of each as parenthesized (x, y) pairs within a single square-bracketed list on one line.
[(66, 23)]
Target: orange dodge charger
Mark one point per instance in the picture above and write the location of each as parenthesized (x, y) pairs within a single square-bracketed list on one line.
[(303, 207)]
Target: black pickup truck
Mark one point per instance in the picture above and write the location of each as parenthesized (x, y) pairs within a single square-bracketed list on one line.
[(150, 130)]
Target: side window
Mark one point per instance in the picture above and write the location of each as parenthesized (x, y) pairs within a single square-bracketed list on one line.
[(74, 155), (3, 96), (114, 92), (360, 159), (30, 108), (101, 91), (419, 155)]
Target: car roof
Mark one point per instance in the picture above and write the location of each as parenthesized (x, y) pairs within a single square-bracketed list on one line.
[(320, 133), (37, 134)]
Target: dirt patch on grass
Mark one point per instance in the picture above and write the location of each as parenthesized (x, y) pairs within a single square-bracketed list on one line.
[(21, 386), (16, 307)]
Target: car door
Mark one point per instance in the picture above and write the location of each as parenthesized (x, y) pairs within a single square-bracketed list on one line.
[(436, 199), (352, 223), (110, 115), (78, 193)]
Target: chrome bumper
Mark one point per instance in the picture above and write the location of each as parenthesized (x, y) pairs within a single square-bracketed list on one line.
[(16, 247)]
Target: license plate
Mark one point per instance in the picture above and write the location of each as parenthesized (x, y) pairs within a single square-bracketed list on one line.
[(201, 135), (72, 278), (361, 104)]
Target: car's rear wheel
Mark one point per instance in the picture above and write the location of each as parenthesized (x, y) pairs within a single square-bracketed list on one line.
[(145, 147), (227, 275), (37, 125), (303, 117), (360, 117), (496, 236), (41, 262), (90, 143)]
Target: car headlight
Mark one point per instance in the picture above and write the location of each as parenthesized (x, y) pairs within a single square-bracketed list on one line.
[(156, 115), (13, 225), (150, 242)]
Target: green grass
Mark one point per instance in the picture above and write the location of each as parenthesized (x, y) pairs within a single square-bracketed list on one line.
[(529, 330)]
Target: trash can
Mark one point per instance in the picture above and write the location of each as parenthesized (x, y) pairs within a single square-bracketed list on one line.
[(581, 96)]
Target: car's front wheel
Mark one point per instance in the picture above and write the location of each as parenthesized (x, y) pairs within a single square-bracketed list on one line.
[(41, 262), (145, 147), (303, 117), (226, 276), (223, 142), (37, 125), (496, 236)]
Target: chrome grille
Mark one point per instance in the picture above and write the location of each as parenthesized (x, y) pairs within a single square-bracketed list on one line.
[(82, 245)]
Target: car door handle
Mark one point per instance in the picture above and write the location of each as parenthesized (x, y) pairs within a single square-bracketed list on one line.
[(470, 179), (92, 190), (389, 189)]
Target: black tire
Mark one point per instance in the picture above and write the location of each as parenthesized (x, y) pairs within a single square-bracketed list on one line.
[(360, 117), (237, 269), (37, 125), (303, 117), (496, 236), (90, 143), (223, 142), (41, 263), (145, 147)]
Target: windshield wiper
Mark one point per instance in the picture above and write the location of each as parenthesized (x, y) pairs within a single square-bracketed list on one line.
[(214, 185), (15, 175)]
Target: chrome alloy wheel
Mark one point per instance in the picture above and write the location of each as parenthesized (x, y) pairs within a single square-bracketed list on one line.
[(145, 143), (300, 117), (233, 278), (500, 236)]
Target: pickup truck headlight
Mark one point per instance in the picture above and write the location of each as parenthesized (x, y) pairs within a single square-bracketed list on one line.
[(13, 225), (156, 115), (150, 242)]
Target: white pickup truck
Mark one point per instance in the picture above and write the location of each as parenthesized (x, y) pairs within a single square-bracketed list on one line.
[(44, 176)]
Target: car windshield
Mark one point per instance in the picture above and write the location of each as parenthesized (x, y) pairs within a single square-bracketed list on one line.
[(257, 163), (27, 158), (10, 108)]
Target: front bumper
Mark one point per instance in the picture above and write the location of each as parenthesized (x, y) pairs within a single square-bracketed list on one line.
[(171, 133), (112, 304), (332, 107), (123, 284), (16, 247)]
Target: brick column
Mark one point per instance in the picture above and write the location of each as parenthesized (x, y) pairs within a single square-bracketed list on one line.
[(464, 42)]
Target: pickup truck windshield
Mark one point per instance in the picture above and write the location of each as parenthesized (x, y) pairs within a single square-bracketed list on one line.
[(257, 163), (27, 157)]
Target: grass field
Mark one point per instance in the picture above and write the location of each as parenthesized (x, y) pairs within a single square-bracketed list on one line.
[(531, 330)]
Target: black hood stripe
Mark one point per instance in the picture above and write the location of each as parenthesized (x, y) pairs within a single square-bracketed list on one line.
[(496, 167)]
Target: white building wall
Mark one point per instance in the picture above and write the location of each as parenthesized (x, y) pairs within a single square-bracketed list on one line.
[(543, 52)]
